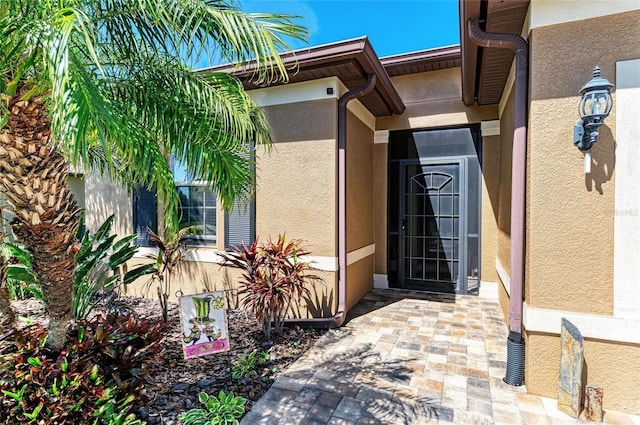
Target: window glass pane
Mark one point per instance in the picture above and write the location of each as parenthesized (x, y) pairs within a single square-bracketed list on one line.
[(210, 222), (197, 196), (209, 199), (183, 193)]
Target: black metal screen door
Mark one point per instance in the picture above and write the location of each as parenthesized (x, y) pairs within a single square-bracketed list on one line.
[(431, 245)]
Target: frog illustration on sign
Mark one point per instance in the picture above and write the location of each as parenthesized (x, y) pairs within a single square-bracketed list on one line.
[(194, 335)]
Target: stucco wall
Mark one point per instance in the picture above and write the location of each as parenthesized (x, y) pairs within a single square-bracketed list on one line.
[(360, 206), (296, 182), (490, 207), (572, 214), (295, 194), (570, 247), (433, 99), (359, 280), (614, 367), (380, 210), (360, 178), (103, 198), (195, 277)]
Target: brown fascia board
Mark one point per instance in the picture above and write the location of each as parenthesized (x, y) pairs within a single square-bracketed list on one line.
[(359, 49), (440, 54), (468, 9)]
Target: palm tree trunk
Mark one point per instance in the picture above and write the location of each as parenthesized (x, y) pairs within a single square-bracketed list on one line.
[(7, 314), (33, 179)]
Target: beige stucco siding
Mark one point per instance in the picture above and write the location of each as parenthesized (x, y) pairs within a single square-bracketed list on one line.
[(380, 151), (572, 214), (433, 99), (300, 121), (196, 277), (295, 194), (359, 280), (360, 178), (296, 181), (360, 206), (104, 198), (490, 207), (612, 366)]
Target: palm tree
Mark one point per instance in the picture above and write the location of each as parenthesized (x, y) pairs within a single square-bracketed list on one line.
[(102, 84)]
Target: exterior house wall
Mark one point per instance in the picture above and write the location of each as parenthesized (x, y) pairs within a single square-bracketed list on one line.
[(360, 207), (490, 206), (296, 182), (380, 210), (499, 193), (504, 208), (433, 99), (571, 215), (297, 186), (103, 198)]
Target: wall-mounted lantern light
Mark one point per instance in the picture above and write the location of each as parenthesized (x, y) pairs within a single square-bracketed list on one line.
[(594, 108)]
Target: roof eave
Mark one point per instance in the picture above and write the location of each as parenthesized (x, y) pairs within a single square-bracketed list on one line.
[(358, 49), (468, 9)]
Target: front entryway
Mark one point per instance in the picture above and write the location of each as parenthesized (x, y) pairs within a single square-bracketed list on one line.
[(434, 210)]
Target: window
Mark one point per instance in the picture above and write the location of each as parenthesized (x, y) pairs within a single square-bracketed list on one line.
[(197, 207)]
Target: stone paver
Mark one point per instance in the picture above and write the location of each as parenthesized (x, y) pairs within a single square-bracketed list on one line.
[(409, 358)]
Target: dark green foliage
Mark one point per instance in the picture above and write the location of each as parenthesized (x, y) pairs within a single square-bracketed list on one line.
[(95, 379), (98, 261), (21, 281)]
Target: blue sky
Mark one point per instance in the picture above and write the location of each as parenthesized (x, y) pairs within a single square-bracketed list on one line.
[(393, 27)]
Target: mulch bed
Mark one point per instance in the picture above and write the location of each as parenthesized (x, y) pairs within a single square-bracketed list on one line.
[(174, 383)]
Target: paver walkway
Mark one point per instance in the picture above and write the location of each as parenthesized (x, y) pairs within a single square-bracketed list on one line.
[(407, 357)]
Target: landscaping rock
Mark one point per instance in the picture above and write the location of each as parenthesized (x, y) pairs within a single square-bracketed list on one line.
[(571, 361)]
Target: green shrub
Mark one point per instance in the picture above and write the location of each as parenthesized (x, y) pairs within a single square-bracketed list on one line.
[(245, 367), (39, 386), (120, 347), (95, 379), (98, 260), (272, 278), (225, 409), (21, 282)]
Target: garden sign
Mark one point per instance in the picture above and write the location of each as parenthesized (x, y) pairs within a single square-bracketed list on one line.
[(204, 324)]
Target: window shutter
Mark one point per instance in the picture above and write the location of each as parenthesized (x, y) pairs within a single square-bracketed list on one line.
[(145, 215), (240, 224)]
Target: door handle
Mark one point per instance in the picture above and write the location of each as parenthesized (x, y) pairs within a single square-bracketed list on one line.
[(405, 223)]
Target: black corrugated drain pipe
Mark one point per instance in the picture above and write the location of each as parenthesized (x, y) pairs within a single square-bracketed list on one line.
[(515, 344), (338, 319)]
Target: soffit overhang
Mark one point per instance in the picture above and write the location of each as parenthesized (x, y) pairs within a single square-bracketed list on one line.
[(485, 71), (350, 60), (422, 61)]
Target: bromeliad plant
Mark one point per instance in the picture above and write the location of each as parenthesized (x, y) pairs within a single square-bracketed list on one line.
[(273, 277)]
